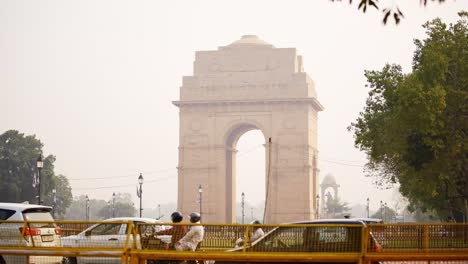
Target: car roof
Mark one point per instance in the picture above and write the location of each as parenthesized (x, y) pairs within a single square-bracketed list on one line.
[(134, 219), (21, 206), (368, 220), (331, 221)]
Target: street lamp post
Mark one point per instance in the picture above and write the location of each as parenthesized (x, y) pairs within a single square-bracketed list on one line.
[(367, 207), (381, 209), (87, 208), (251, 213), (54, 192), (200, 191), (384, 212), (140, 191), (113, 204), (159, 211), (317, 210), (242, 204), (40, 165)]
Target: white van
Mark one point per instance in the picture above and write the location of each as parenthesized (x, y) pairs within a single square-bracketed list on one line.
[(41, 233)]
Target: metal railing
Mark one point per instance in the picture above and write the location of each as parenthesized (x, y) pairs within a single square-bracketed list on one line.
[(129, 242)]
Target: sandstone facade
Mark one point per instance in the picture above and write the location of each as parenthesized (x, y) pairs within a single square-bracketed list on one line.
[(247, 85)]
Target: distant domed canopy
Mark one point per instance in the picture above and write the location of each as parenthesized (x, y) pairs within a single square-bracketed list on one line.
[(329, 180), (250, 41)]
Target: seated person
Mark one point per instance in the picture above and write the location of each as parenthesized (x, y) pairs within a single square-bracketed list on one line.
[(176, 232), (193, 237)]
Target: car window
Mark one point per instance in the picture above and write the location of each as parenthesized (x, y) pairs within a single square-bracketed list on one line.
[(5, 214), (38, 214), (146, 227), (332, 234), (311, 238), (105, 229), (142, 227), (281, 238)]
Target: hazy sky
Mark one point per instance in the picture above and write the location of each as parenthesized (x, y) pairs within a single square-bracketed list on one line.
[(94, 81)]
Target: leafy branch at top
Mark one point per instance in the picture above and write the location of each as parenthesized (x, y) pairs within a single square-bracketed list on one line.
[(388, 12)]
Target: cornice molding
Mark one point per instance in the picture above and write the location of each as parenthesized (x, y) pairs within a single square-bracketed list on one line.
[(311, 100)]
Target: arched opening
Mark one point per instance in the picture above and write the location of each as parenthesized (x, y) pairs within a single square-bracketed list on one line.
[(250, 178), (245, 172)]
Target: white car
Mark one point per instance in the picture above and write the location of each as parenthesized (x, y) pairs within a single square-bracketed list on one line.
[(112, 233), (35, 234)]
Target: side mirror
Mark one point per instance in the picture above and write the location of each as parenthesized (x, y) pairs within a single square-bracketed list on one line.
[(87, 233)]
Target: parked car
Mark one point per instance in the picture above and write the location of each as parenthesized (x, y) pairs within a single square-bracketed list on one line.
[(36, 234), (332, 235), (111, 233)]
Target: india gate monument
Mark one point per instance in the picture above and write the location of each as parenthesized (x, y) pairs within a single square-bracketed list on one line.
[(248, 85)]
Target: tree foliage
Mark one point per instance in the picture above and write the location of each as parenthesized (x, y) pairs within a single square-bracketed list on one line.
[(18, 171), (121, 206), (335, 208), (413, 127), (393, 11), (18, 155), (63, 196), (385, 213)]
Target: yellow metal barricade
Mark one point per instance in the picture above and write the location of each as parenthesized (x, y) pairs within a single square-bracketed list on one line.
[(69, 242), (441, 242)]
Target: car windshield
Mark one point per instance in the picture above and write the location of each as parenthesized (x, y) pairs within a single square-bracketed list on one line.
[(146, 227), (281, 238)]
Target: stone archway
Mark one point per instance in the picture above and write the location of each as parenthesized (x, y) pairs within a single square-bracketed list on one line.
[(232, 137), (243, 86)]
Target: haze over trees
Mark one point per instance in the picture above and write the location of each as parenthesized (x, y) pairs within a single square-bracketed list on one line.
[(101, 209), (413, 127), (335, 208), (19, 179), (19, 175)]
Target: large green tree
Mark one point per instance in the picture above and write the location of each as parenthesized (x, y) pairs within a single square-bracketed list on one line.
[(413, 127), (19, 175)]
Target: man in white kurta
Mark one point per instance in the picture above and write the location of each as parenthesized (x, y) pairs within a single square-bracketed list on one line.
[(191, 240)]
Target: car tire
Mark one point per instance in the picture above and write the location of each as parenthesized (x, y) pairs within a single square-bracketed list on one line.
[(69, 260)]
